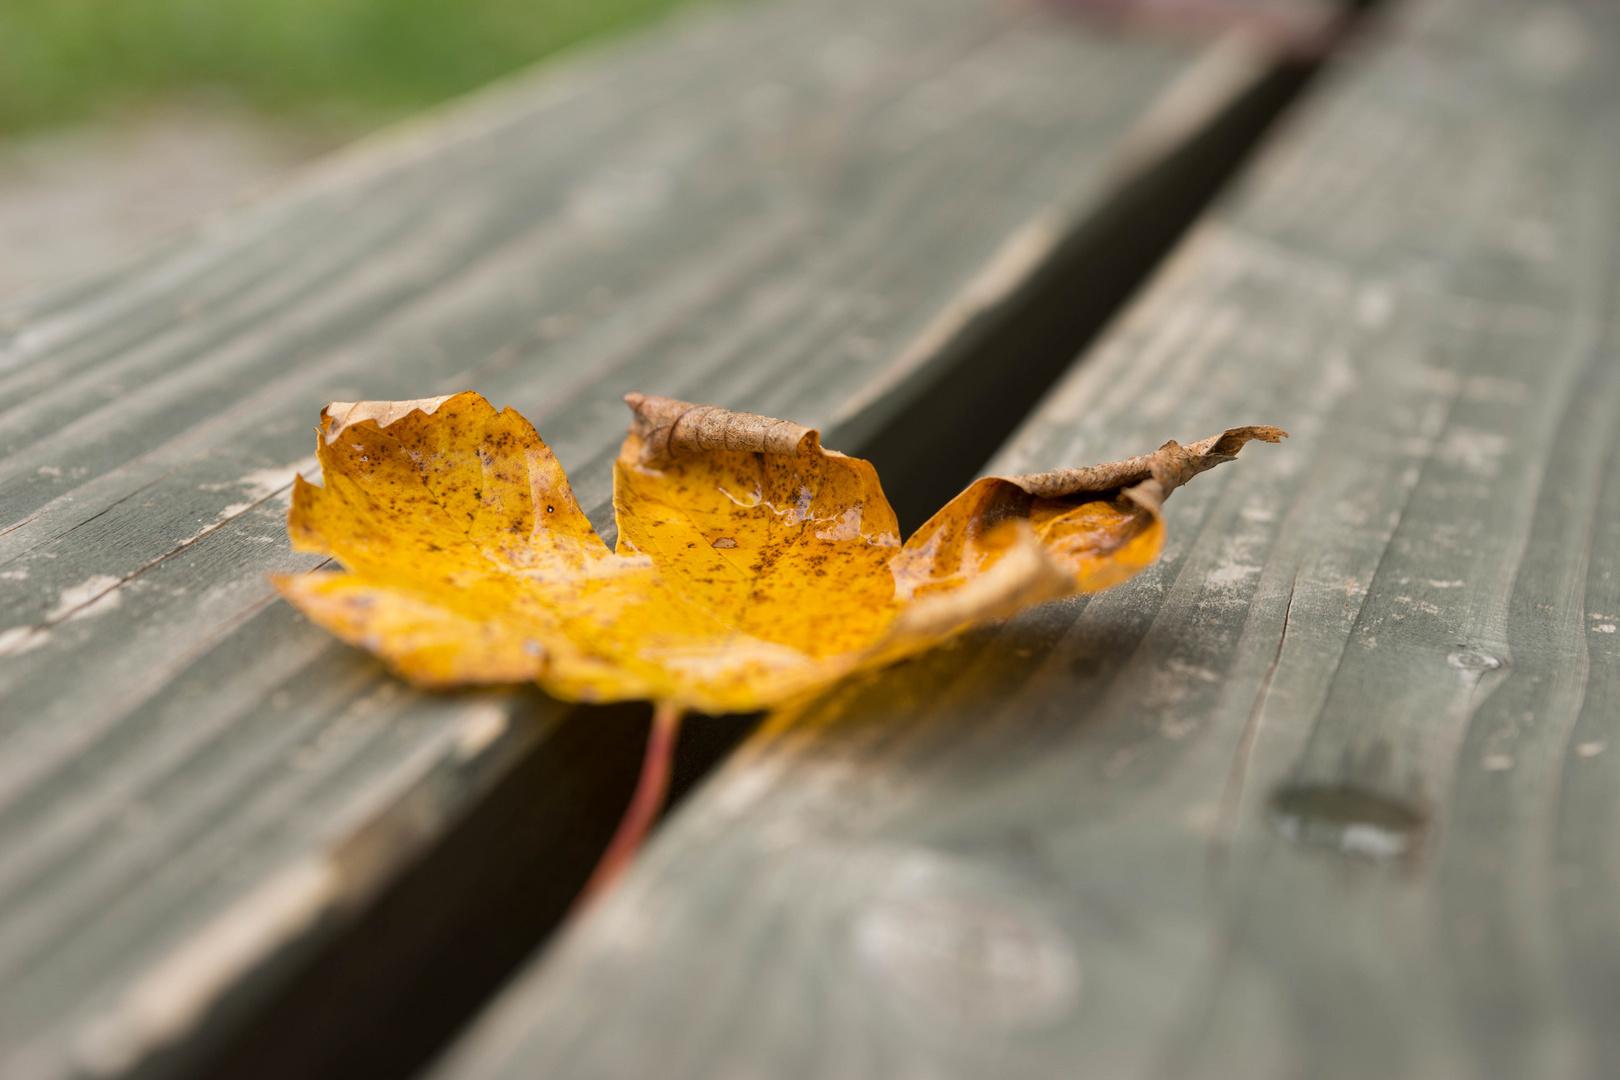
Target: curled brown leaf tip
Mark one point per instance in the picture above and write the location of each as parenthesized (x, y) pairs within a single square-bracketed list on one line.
[(1170, 466), (667, 428), (345, 414)]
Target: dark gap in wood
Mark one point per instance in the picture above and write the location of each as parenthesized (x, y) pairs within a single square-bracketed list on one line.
[(379, 992), (941, 438)]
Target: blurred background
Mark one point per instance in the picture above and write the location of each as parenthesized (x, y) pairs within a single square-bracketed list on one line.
[(121, 120)]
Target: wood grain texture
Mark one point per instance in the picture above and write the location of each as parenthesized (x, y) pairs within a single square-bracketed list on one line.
[(790, 208), (1332, 790)]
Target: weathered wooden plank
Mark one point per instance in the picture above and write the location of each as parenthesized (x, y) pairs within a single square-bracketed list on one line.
[(793, 207), (1329, 792)]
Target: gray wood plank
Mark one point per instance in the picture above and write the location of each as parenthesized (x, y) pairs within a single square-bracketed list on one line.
[(1331, 791), (791, 207)]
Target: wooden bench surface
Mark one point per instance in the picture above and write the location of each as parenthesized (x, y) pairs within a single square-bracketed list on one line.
[(811, 208), (1333, 790)]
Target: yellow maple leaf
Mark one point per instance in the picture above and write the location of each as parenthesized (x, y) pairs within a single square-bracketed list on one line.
[(752, 565)]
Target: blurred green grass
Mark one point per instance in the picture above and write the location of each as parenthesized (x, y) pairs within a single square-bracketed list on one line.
[(350, 61)]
